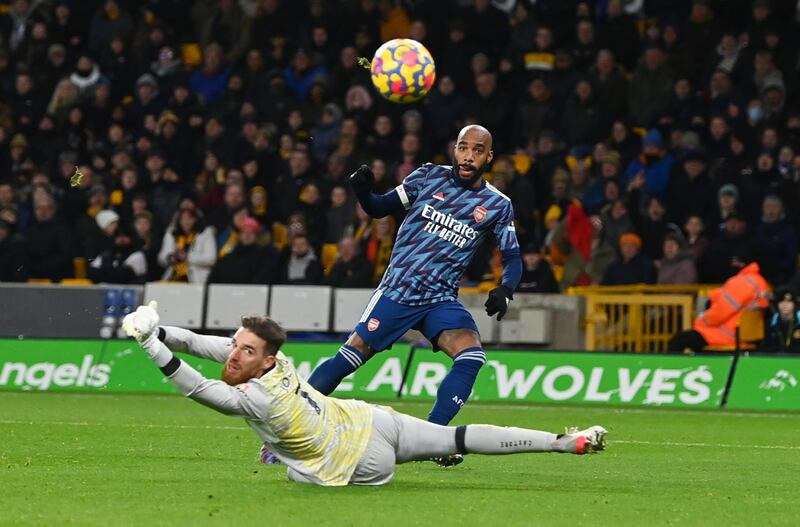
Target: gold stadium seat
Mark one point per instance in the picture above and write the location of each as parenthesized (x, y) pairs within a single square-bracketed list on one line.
[(75, 281), (522, 163), (79, 267), (279, 238), (192, 54), (328, 256)]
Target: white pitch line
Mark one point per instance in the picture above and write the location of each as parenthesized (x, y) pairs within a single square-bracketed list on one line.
[(240, 428), (709, 445), (516, 406), (121, 425)]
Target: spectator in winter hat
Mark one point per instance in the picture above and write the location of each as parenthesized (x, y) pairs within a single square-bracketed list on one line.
[(632, 267), (651, 171)]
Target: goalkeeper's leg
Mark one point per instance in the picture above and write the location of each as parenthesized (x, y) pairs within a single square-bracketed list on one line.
[(421, 440)]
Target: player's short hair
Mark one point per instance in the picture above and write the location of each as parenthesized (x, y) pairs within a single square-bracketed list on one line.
[(267, 329)]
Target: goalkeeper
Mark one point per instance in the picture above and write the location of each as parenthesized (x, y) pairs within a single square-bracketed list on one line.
[(322, 440)]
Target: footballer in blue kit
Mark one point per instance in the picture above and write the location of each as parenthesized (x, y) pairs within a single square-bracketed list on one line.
[(450, 211)]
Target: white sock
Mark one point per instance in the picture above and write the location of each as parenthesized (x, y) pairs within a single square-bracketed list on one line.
[(489, 439)]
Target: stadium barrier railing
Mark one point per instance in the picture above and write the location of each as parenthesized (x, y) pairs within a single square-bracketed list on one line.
[(638, 317)]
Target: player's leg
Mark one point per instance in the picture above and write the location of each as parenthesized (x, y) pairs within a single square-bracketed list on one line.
[(297, 477), (381, 324), (420, 440), (376, 466), (450, 328), (464, 347), (351, 356)]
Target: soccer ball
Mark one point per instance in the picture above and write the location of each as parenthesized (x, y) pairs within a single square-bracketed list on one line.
[(403, 70)]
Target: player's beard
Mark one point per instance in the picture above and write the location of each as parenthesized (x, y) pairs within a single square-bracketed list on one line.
[(476, 174), (234, 377)]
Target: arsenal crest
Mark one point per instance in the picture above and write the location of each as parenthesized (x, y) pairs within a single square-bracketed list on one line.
[(480, 214), (373, 324)]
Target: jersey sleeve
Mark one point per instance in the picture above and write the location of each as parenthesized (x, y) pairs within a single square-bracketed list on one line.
[(411, 186), (203, 346), (504, 230), (246, 400)]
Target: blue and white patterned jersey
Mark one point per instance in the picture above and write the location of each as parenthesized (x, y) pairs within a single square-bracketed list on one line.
[(446, 223)]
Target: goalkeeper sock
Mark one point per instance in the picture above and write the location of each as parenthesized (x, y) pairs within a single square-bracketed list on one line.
[(330, 373), (489, 439), (457, 385)]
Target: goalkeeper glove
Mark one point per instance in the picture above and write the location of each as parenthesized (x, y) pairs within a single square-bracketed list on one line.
[(362, 179), (142, 324), (497, 303)]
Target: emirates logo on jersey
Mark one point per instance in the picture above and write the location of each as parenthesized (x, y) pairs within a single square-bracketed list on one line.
[(373, 324), (480, 214)]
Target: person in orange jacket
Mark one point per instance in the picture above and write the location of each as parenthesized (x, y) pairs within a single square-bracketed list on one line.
[(747, 289)]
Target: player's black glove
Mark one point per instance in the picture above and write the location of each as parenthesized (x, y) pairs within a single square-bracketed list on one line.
[(362, 179), (497, 303)]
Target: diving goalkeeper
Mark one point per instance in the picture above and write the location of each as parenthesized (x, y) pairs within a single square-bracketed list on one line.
[(321, 439)]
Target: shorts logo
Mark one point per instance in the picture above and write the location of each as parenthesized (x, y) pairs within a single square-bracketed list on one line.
[(373, 324), (480, 214)]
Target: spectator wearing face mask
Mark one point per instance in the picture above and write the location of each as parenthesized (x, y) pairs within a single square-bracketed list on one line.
[(651, 171)]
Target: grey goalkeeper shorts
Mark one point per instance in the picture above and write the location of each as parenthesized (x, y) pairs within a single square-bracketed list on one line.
[(399, 438)]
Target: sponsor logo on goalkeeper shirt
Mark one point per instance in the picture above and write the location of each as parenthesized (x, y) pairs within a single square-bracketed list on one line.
[(448, 228), (46, 375)]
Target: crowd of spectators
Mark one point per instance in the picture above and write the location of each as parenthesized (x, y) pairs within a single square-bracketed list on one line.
[(651, 141)]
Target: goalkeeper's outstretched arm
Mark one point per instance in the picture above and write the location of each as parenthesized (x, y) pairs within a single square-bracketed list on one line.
[(243, 400), (204, 346)]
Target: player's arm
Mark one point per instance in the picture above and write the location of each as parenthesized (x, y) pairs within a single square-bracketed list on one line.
[(203, 346), (500, 296), (245, 400), (380, 205)]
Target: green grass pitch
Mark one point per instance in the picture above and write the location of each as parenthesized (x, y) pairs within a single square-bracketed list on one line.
[(163, 460)]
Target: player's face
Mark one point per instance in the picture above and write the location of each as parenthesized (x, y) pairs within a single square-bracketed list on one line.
[(472, 153), (248, 358)]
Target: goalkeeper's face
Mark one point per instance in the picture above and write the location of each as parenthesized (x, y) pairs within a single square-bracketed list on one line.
[(248, 358), (473, 152)]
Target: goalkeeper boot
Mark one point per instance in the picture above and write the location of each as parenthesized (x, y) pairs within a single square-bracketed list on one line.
[(267, 457), (575, 441), (448, 461)]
